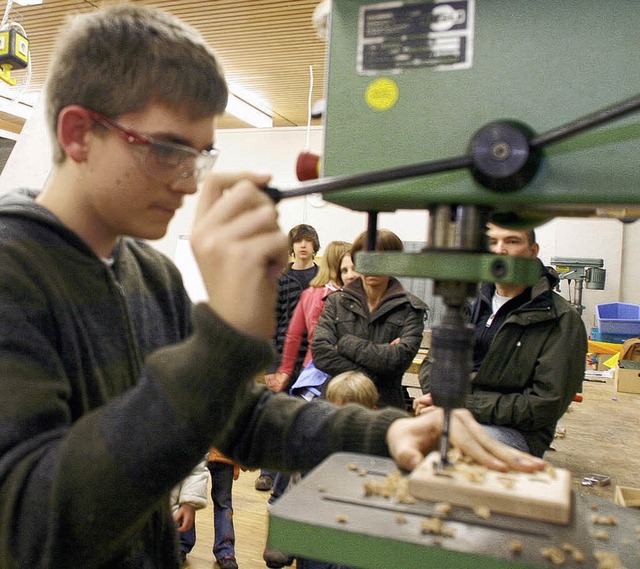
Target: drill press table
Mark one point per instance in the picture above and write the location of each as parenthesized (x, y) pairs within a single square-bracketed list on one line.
[(328, 517)]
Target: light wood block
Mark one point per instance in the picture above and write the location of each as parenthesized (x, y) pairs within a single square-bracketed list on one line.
[(627, 496), (544, 496)]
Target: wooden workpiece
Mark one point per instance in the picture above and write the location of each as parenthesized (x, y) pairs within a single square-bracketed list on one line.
[(544, 496)]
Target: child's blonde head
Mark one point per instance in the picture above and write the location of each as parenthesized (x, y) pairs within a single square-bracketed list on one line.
[(352, 387)]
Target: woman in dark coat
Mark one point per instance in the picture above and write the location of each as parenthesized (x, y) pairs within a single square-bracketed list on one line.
[(373, 325)]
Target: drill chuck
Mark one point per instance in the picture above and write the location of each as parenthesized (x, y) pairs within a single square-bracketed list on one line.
[(452, 363)]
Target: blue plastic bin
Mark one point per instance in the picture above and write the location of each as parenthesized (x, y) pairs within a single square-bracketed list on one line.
[(618, 318)]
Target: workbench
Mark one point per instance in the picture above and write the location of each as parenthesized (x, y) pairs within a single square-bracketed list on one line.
[(328, 517)]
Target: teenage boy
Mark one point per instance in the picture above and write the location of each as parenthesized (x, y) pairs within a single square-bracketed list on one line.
[(304, 245), (111, 387)]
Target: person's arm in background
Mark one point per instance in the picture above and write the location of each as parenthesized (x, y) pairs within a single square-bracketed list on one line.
[(291, 348), (188, 496)]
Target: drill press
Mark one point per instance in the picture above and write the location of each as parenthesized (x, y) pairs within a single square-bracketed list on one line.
[(472, 111)]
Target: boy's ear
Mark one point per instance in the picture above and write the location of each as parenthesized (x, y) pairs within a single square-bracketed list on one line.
[(74, 126)]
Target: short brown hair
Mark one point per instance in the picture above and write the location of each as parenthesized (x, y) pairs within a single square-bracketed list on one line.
[(352, 387), (119, 59), (385, 241)]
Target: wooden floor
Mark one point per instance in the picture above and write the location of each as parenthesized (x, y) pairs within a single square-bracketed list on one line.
[(601, 436)]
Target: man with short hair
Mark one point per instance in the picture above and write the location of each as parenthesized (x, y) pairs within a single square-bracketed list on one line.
[(529, 353)]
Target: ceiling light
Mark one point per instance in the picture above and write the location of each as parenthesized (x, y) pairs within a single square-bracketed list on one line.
[(28, 2), (248, 113)]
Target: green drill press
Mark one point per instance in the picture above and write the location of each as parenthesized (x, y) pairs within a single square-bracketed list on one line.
[(476, 110)]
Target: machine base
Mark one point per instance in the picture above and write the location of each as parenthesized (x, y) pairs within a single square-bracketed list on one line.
[(328, 517)]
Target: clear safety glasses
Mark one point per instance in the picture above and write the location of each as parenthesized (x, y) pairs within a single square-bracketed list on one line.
[(163, 160)]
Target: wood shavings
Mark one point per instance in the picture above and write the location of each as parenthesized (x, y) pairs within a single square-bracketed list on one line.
[(352, 466), (472, 472), (601, 535), (431, 525), (575, 553), (442, 508), (608, 560), (401, 519), (405, 499), (393, 485), (435, 526), (555, 555), (603, 520), (539, 478), (482, 512), (342, 519), (506, 481), (516, 546)]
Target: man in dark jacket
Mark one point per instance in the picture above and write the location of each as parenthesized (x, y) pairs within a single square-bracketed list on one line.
[(529, 353)]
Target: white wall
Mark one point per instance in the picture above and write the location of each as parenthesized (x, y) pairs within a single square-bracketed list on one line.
[(276, 151)]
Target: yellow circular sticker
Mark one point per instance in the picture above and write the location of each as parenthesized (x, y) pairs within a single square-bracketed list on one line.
[(382, 94)]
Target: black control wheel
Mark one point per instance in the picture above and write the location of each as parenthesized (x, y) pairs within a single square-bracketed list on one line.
[(503, 159)]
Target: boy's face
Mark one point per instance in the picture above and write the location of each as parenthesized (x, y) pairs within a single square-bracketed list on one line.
[(303, 249), (128, 192)]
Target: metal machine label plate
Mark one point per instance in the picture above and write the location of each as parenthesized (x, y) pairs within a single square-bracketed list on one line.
[(399, 36)]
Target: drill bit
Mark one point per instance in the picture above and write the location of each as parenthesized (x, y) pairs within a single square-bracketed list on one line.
[(444, 439)]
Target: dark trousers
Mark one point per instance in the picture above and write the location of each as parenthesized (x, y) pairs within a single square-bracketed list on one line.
[(221, 487)]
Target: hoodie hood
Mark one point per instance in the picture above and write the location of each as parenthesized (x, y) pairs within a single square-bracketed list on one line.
[(21, 204)]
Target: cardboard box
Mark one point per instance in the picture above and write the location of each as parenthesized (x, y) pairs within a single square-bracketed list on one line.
[(627, 496), (626, 376)]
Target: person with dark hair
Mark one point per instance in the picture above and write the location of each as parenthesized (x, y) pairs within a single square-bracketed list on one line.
[(373, 325), (304, 244), (529, 353)]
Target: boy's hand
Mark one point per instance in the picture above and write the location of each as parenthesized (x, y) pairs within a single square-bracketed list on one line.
[(411, 438), (240, 250)]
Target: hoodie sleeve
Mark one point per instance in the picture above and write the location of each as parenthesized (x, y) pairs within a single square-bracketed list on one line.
[(74, 489)]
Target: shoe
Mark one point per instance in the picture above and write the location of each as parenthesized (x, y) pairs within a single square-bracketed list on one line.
[(276, 559), (264, 483), (228, 562)]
